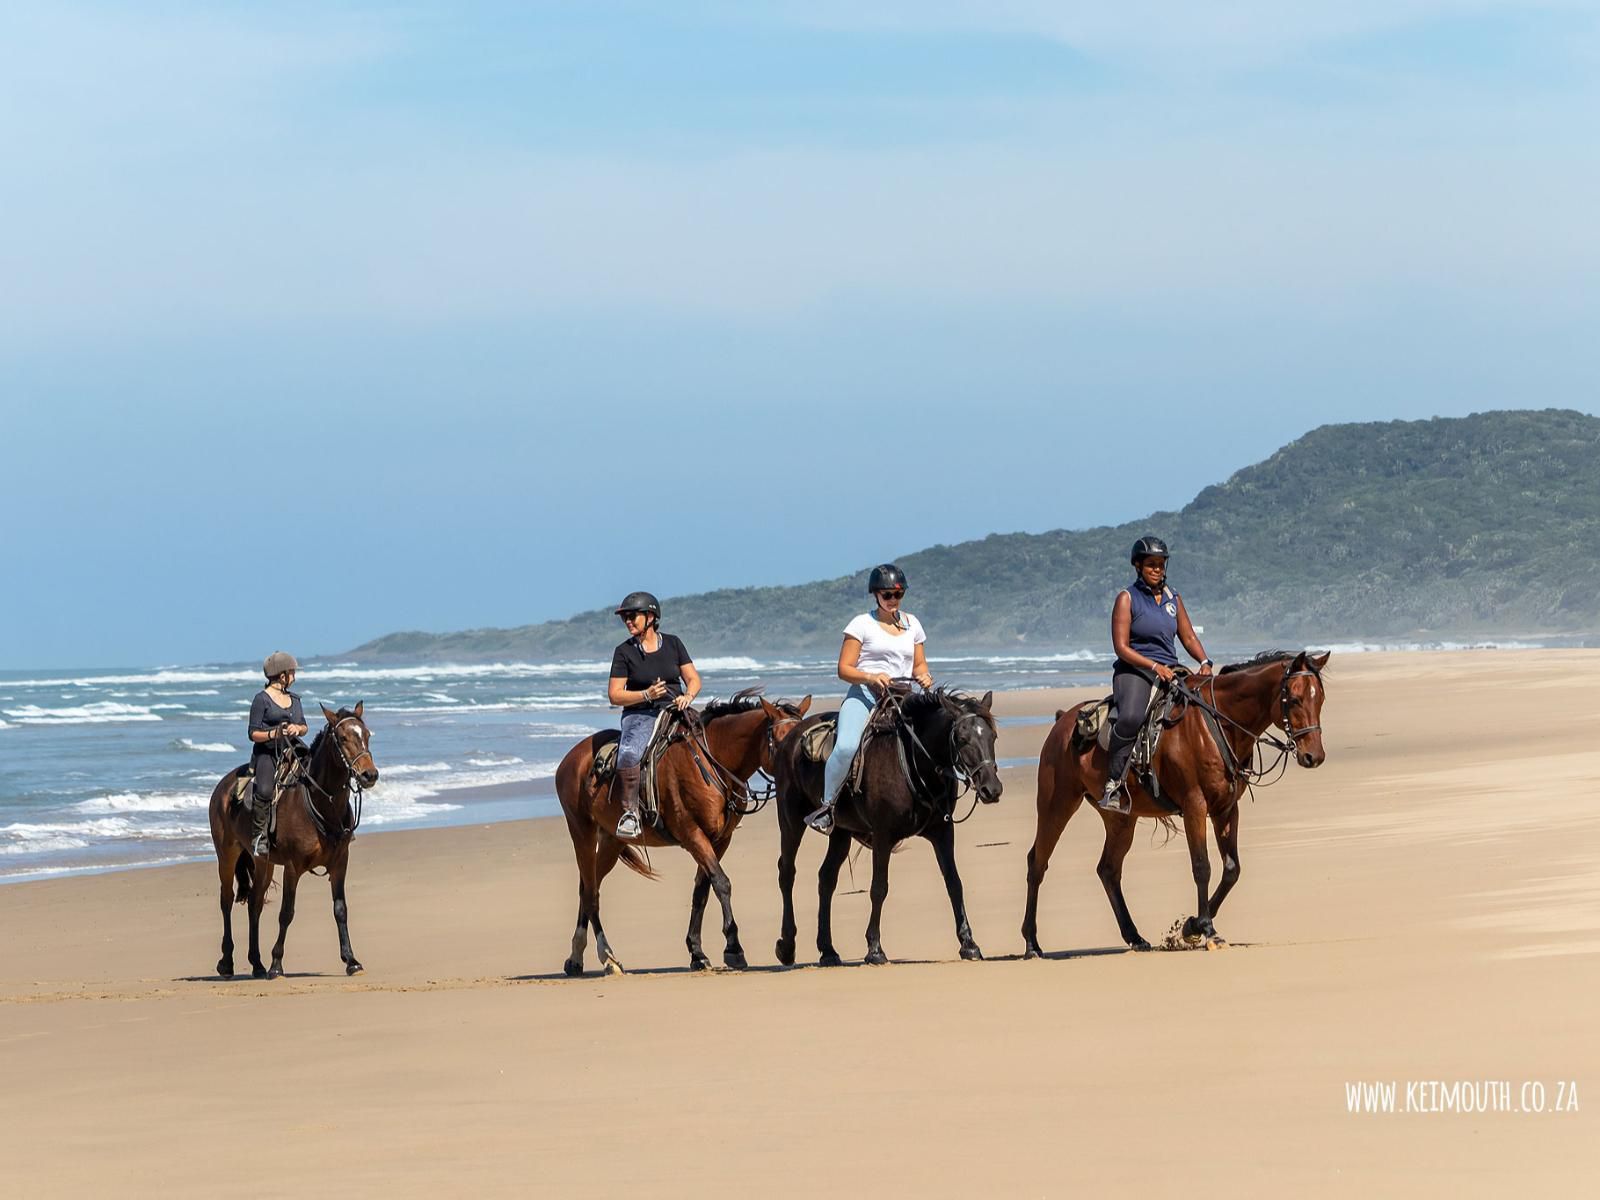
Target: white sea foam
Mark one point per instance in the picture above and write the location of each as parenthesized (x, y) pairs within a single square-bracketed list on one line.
[(152, 802), (433, 768), (209, 747), (510, 761), (561, 731), (104, 712)]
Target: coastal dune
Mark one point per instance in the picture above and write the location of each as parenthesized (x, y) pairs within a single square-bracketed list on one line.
[(1424, 907)]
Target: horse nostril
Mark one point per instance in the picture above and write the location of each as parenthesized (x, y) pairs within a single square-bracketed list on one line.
[(369, 778)]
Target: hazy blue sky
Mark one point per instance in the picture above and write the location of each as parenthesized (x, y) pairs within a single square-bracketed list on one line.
[(319, 321)]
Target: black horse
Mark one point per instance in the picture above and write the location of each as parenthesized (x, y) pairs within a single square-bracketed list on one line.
[(912, 774)]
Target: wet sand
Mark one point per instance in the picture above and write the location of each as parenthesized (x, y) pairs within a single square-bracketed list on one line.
[(1426, 906)]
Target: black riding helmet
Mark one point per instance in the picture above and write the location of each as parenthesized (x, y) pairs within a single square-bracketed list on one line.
[(640, 602), (885, 576), (1148, 547)]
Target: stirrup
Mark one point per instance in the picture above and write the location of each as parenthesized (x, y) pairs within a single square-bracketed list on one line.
[(822, 819), (629, 826), (1115, 798)]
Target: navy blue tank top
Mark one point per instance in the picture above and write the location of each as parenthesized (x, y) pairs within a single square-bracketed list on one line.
[(1154, 629)]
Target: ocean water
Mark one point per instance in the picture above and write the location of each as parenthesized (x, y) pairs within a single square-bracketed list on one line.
[(111, 769)]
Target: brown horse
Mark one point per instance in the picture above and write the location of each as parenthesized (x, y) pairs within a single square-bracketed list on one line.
[(1275, 688), (700, 803), (315, 824)]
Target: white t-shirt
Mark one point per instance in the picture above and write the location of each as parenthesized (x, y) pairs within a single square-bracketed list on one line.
[(891, 653)]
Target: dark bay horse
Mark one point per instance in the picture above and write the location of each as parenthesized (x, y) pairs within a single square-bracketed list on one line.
[(315, 824), (1276, 688), (700, 803), (910, 781)]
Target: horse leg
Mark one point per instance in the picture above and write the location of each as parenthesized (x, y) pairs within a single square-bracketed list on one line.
[(341, 912), (1119, 839), (827, 881), (881, 849), (258, 901), (705, 855), (697, 915), (605, 857), (1227, 829), (790, 832), (943, 838), (1198, 927), (1052, 820), (291, 880), (227, 863), (584, 839)]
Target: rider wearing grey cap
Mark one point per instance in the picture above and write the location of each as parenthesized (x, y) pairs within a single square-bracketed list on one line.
[(651, 671), (275, 721), (1147, 619)]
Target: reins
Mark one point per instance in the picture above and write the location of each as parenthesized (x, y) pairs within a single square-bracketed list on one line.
[(892, 705), (1252, 772), (354, 793)]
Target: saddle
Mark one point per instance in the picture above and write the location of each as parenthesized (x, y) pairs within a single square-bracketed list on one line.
[(604, 767), (1168, 704), (816, 743)]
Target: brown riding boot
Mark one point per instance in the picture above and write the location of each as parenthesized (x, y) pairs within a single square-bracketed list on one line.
[(628, 827)]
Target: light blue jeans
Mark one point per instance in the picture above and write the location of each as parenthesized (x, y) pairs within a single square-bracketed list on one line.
[(636, 729), (853, 713)]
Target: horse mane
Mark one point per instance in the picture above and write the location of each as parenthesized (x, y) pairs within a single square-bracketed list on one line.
[(921, 704), (1265, 659), (742, 702)]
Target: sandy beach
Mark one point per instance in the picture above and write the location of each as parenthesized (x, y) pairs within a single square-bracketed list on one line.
[(1424, 907)]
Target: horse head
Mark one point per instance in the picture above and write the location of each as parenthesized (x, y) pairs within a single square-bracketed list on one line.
[(972, 741), (1300, 707), (783, 718), (352, 741)]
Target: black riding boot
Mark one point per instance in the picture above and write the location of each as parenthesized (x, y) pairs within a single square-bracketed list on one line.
[(628, 779), (260, 814)]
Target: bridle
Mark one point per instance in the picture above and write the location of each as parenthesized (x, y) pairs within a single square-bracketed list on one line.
[(1251, 770), (1283, 704), (354, 792), (963, 772)]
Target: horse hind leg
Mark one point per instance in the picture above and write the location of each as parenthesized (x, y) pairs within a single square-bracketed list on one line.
[(228, 860)]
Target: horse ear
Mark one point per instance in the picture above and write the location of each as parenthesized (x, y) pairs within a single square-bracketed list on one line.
[(803, 706), (772, 713), (329, 717), (359, 703), (987, 701), (1322, 660)]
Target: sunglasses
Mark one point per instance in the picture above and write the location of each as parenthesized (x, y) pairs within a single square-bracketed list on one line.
[(894, 595), (628, 618)]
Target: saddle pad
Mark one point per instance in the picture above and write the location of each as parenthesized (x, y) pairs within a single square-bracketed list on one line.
[(1094, 724), (605, 761), (816, 743)]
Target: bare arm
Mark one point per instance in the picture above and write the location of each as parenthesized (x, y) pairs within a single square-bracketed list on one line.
[(1191, 640), (691, 686), (919, 668)]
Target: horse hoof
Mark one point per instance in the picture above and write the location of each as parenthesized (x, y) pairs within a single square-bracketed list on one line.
[(876, 957), (1192, 932), (613, 967), (1139, 944), (353, 968), (572, 967), (225, 968), (830, 959), (275, 971), (734, 960), (699, 963), (785, 953), (1215, 942), (258, 972), (971, 954), (1031, 950)]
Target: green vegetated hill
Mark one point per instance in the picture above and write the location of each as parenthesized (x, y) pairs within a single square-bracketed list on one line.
[(1448, 527)]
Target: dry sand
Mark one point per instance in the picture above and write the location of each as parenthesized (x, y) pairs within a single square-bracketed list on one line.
[(1426, 906)]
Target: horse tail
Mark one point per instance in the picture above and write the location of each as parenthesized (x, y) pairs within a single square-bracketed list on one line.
[(634, 861), (244, 876)]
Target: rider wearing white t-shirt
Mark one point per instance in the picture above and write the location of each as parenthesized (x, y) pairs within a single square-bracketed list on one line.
[(879, 647)]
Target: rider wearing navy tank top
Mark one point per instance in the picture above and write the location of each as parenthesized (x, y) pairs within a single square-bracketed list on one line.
[(1148, 619)]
